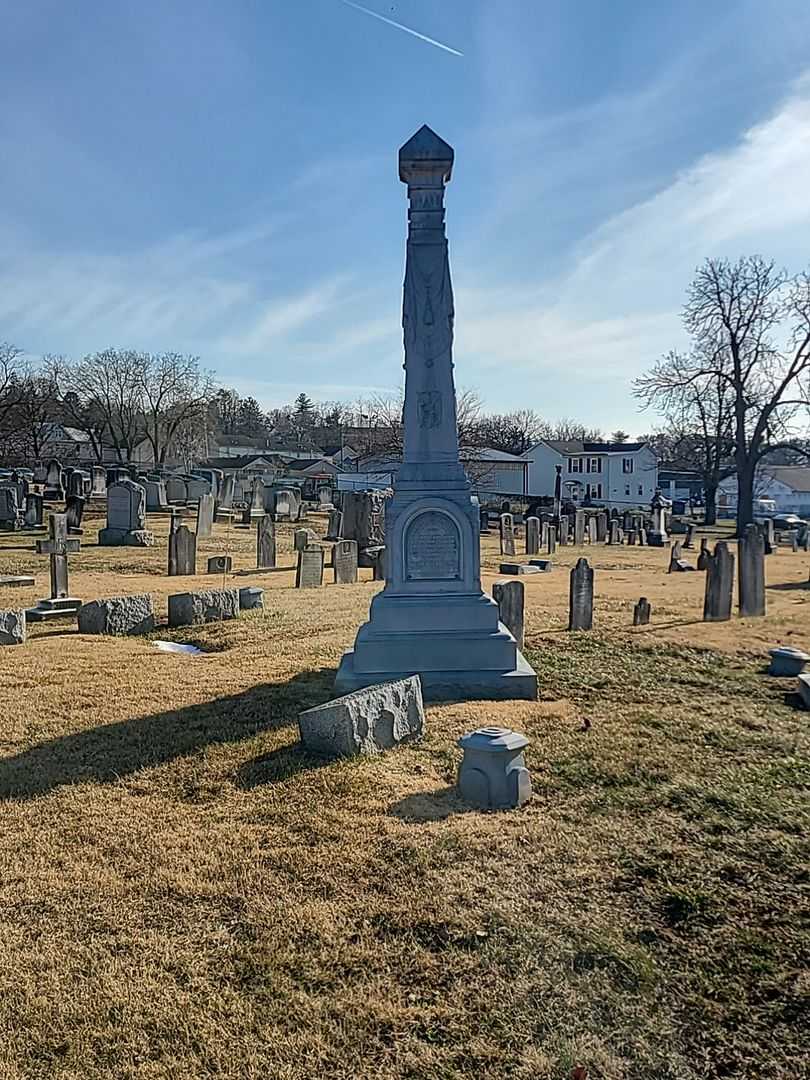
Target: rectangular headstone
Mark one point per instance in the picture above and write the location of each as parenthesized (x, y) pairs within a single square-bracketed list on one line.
[(551, 540), (719, 583), (205, 516), (507, 534), (593, 530), (751, 572), (182, 552), (344, 562), (562, 539), (309, 572), (220, 564), (265, 543), (580, 597), (641, 612), (509, 596), (601, 528), (532, 536), (579, 528)]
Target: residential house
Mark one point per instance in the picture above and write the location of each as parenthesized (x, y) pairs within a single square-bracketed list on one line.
[(787, 485), (491, 472), (607, 474)]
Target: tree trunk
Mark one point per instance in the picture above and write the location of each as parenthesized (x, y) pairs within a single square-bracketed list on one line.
[(710, 491), (745, 497)]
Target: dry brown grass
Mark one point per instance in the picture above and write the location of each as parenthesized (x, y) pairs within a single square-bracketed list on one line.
[(184, 893)]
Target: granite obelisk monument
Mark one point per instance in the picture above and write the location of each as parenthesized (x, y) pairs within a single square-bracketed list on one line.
[(432, 618)]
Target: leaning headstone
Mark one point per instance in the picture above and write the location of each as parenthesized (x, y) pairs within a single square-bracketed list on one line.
[(751, 571), (367, 721), (227, 491), (195, 608), (220, 564), (532, 536), (303, 538), (58, 546), (579, 528), (74, 512), (309, 571), (580, 597), (719, 584), (493, 773), (641, 612), (182, 552), (507, 534), (703, 554), (509, 596), (344, 562), (265, 543), (564, 526), (12, 627), (333, 527), (205, 516), (251, 598), (118, 615), (126, 517)]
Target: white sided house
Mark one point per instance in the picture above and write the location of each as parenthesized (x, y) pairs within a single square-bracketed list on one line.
[(788, 486), (607, 474)]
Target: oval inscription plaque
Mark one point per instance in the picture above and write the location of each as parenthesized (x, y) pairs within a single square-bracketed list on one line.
[(432, 548)]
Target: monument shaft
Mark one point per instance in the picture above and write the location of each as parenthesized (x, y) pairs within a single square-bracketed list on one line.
[(432, 618)]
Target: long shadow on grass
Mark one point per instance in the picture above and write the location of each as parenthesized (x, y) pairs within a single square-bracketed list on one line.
[(104, 754)]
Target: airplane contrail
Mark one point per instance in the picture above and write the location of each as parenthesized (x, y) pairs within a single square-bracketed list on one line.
[(399, 26)]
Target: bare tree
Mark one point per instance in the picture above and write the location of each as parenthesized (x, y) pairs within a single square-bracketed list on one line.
[(697, 404), (109, 384), (175, 394), (36, 406), (751, 329), (10, 375), (514, 432)]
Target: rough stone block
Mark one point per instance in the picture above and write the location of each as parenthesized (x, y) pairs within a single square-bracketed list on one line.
[(368, 721), (195, 608), (251, 598), (786, 661), (118, 615), (12, 627)]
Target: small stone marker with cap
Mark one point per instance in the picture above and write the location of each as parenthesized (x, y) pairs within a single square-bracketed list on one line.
[(493, 773)]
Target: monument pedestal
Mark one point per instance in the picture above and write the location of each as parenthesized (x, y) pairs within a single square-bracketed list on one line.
[(53, 608)]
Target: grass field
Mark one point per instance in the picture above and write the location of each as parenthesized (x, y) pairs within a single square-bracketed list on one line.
[(184, 893)]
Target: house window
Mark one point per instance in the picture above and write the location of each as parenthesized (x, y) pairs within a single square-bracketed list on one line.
[(641, 489), (575, 464), (627, 465), (594, 491), (594, 464), (627, 489)]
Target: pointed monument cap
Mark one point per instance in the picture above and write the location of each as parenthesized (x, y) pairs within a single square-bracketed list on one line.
[(425, 153)]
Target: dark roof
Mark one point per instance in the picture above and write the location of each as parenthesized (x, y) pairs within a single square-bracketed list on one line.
[(796, 477), (299, 464), (577, 446), (241, 462)]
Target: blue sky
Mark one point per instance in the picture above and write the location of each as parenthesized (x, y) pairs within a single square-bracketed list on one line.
[(220, 178)]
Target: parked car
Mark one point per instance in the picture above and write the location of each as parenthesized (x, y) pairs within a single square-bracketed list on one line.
[(787, 521)]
